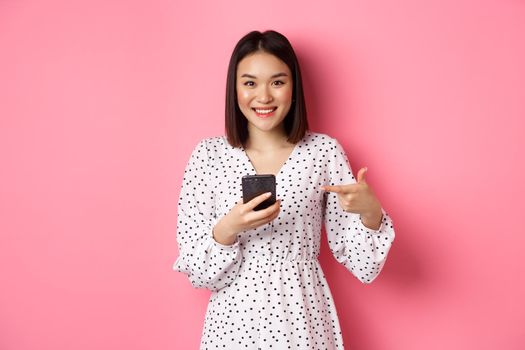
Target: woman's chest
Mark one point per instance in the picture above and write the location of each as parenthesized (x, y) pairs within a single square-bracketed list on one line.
[(297, 184), (269, 163)]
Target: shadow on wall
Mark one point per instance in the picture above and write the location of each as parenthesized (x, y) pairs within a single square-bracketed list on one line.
[(404, 268), (326, 90), (404, 274)]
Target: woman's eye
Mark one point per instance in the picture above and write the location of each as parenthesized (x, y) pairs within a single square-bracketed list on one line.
[(249, 83), (278, 82)]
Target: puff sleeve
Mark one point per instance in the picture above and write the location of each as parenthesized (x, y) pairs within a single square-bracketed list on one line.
[(207, 263), (361, 250)]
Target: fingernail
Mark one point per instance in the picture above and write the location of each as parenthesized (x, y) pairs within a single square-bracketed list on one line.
[(268, 194)]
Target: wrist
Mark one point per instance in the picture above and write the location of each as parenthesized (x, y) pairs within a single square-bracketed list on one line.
[(222, 235), (372, 220)]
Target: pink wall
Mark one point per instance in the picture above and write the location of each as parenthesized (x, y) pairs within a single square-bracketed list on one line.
[(102, 101)]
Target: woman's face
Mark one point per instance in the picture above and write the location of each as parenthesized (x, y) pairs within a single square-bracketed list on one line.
[(264, 90)]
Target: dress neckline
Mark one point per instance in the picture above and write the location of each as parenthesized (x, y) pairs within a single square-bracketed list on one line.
[(290, 156)]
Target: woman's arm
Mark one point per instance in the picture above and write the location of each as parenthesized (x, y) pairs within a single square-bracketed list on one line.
[(361, 249), (207, 263)]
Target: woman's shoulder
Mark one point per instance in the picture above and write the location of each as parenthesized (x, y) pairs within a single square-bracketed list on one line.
[(320, 139), (213, 145), (213, 140)]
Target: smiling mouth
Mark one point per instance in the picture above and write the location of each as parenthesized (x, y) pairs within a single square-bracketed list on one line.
[(263, 111)]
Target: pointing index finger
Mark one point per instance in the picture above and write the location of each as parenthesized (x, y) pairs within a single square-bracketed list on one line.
[(334, 188)]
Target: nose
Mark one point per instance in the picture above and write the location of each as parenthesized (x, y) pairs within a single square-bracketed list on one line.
[(264, 95)]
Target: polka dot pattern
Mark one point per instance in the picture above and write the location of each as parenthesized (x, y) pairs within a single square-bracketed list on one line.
[(268, 288)]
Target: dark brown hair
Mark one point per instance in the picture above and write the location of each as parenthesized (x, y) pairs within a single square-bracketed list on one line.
[(272, 42)]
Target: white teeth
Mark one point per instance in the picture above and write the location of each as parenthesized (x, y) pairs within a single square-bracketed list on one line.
[(264, 111)]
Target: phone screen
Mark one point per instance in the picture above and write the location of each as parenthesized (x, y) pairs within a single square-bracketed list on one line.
[(255, 185)]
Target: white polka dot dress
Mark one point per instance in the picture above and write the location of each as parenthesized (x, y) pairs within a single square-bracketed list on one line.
[(268, 289)]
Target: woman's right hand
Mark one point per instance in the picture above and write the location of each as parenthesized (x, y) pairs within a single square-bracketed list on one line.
[(242, 217)]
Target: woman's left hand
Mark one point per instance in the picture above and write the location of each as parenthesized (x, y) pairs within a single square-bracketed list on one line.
[(360, 199)]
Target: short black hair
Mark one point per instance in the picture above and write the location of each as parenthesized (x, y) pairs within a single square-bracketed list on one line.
[(272, 42)]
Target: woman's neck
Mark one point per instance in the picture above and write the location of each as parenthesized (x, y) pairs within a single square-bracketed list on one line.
[(266, 140)]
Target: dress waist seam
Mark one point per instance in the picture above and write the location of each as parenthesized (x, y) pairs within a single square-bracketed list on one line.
[(315, 259)]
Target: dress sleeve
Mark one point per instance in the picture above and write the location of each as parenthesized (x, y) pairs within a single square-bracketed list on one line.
[(207, 263), (361, 250)]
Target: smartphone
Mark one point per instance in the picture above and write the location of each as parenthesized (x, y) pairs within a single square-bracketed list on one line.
[(255, 185)]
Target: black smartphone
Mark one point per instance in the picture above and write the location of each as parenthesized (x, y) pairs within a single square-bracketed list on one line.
[(255, 185)]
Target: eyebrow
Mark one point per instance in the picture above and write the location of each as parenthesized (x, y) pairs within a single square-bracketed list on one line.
[(282, 74)]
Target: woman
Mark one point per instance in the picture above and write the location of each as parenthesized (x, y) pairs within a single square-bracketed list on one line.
[(268, 289)]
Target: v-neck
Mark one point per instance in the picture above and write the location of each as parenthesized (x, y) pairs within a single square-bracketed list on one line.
[(290, 156)]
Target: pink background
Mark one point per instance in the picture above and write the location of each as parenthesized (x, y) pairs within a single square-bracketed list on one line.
[(101, 103)]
